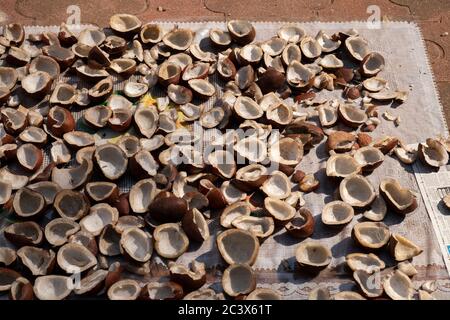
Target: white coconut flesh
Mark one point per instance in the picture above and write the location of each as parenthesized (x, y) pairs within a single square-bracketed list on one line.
[(33, 134), (259, 226), (79, 138), (231, 193), (234, 211), (313, 254), (101, 215), (35, 82), (36, 259), (310, 47), (352, 114), (5, 191), (45, 64), (124, 290), (327, 115), (220, 36), (159, 291), (374, 84), (372, 234), (98, 115), (8, 77), (368, 156), (298, 74), (72, 177), (357, 46), (74, 258), (277, 186), (402, 198), (365, 281), (337, 212), (179, 39), (112, 161), (238, 279), (29, 230), (251, 53), (251, 148), (137, 243), (291, 33), (377, 210), (246, 108), (356, 191), (52, 287), (361, 261), (279, 209), (64, 93), (398, 286), (147, 162), (169, 70), (28, 201), (71, 204), (273, 46), (58, 230), (171, 241), (342, 166), (238, 246)]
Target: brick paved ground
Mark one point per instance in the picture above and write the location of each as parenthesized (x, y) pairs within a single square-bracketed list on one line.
[(432, 15)]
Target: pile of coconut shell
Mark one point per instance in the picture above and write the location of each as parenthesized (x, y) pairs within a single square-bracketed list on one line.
[(63, 185)]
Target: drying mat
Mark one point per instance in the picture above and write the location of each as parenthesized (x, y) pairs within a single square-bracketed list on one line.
[(407, 68)]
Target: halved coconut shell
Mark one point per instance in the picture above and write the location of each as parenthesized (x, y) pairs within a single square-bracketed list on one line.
[(58, 231), (398, 286), (151, 33), (202, 88), (111, 160), (351, 115), (192, 278), (72, 205), (124, 67), (14, 33), (238, 279), (7, 256), (238, 246), (24, 233), (369, 157), (170, 240), (146, 120), (377, 210), (250, 54), (302, 225), (246, 108), (242, 32), (372, 64), (29, 156), (238, 209), (131, 145), (261, 227), (75, 258), (63, 56), (399, 199), (28, 203), (281, 211), (72, 178), (312, 256), (402, 248), (142, 194), (342, 165), (368, 283), (63, 94), (298, 76), (16, 181), (13, 121), (8, 77), (91, 37), (37, 84), (98, 116), (21, 289), (357, 191), (126, 289), (204, 294), (245, 76), (433, 153), (357, 47), (277, 186), (101, 90), (178, 39), (195, 225), (125, 23), (92, 283), (33, 135), (311, 48), (52, 287), (85, 239), (137, 244), (102, 191), (162, 291), (91, 74), (100, 215), (127, 222), (60, 121), (39, 262), (251, 176), (371, 235), (365, 262), (220, 38), (17, 57), (7, 278), (337, 213), (291, 33), (251, 148)]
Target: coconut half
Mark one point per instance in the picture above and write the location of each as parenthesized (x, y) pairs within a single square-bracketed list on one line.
[(191, 278), (238, 246), (278, 209), (146, 120), (377, 210), (365, 262), (28, 203), (151, 33), (312, 256), (195, 225), (262, 227), (399, 199), (97, 116), (142, 194), (357, 47), (238, 279), (125, 23), (371, 235), (111, 160), (52, 287), (368, 283), (126, 289), (102, 191), (242, 32), (137, 244), (310, 47), (238, 209), (72, 178), (100, 215), (337, 213), (277, 186), (58, 231), (24, 233), (356, 191), (351, 115), (162, 291), (402, 248), (7, 256), (178, 39), (342, 166), (170, 240), (39, 262), (75, 258), (8, 77), (398, 286), (372, 64), (433, 153), (21, 289)]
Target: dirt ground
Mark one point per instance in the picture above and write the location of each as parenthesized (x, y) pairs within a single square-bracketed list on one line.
[(433, 16)]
